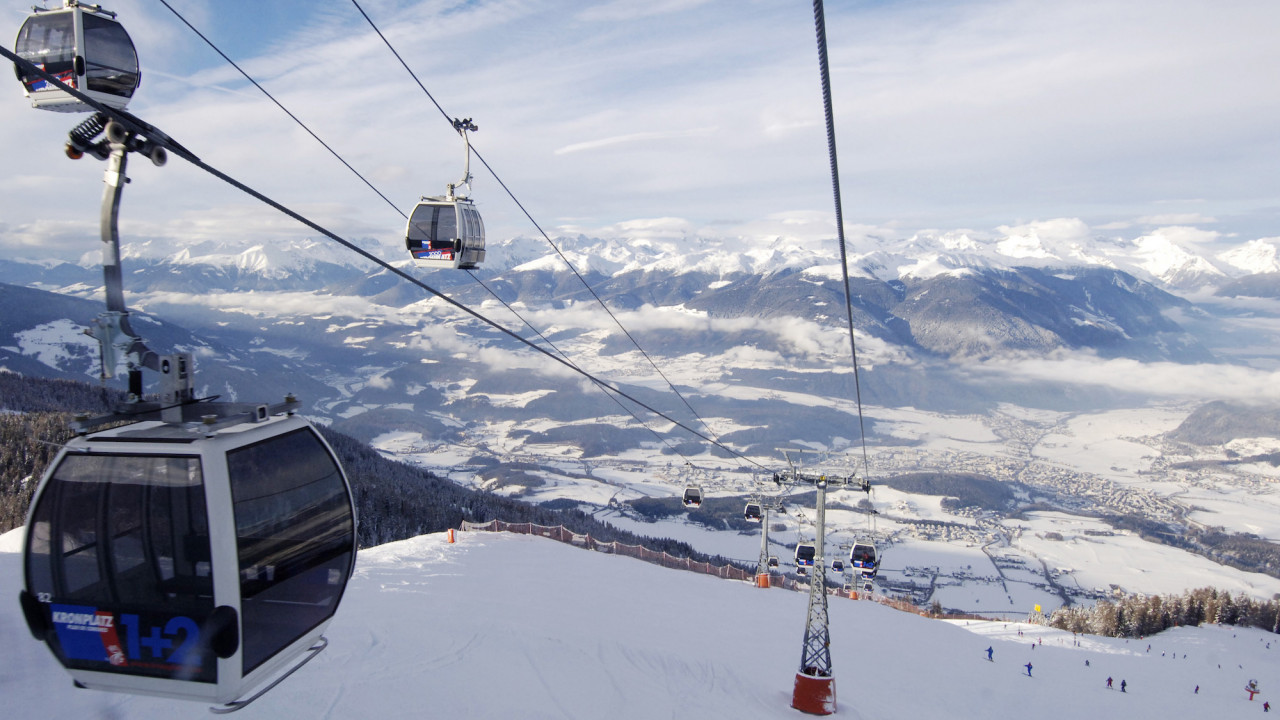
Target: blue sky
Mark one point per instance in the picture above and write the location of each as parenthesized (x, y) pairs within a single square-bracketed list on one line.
[(685, 116)]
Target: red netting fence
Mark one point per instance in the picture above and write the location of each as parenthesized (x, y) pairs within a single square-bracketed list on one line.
[(640, 552), (565, 535)]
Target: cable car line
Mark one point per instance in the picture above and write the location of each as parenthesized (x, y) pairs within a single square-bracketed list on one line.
[(459, 126), (821, 32), (542, 232), (282, 107), (140, 127)]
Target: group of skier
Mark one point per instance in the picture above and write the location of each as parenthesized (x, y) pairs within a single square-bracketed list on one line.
[(1123, 683), (1251, 687)]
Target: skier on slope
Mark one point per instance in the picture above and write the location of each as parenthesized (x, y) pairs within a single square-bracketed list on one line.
[(989, 653)]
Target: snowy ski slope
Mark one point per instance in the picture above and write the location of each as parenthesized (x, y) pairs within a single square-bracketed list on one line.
[(507, 626)]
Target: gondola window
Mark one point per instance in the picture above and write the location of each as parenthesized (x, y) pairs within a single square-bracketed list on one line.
[(294, 534)]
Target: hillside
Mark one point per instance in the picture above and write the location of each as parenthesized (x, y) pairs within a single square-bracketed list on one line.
[(1218, 423), (394, 500), (501, 626)]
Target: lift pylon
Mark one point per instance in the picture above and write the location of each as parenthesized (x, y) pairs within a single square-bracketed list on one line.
[(762, 565), (815, 687)]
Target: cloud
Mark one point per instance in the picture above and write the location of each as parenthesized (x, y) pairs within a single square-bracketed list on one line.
[(1156, 379), (795, 338), (1180, 236), (623, 10), (1177, 219), (632, 138), (1058, 229), (380, 382), (498, 359), (272, 304), (963, 115)]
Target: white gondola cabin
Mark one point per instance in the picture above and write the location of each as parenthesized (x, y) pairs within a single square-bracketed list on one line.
[(752, 512), (692, 496), (188, 561), (445, 232), (864, 559), (805, 553), (83, 46), (837, 565), (773, 561)]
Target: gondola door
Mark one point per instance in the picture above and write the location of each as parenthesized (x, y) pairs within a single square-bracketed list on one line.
[(432, 236), (119, 572), (444, 233)]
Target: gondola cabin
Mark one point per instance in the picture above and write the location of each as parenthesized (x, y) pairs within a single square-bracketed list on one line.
[(752, 512), (837, 565), (805, 553), (445, 232), (84, 47), (692, 496), (773, 561), (863, 558), (188, 560)]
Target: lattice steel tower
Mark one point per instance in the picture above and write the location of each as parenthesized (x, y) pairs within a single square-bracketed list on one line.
[(815, 657), (815, 688)]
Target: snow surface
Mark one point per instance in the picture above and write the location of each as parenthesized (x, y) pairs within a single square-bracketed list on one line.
[(506, 626)]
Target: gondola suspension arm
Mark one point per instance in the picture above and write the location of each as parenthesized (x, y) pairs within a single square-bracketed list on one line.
[(463, 126), (117, 341)]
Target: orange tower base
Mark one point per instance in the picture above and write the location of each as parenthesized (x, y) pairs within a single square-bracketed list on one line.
[(814, 695), (451, 535), (762, 580)]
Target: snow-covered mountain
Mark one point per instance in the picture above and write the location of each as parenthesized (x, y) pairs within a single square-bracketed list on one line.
[(502, 626), (760, 313), (1254, 257), (1176, 259), (42, 334)]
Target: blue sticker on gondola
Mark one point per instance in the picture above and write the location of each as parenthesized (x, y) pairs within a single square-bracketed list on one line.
[(87, 633), (153, 644)]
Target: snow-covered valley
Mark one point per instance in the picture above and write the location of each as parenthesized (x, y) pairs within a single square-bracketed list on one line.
[(1085, 440)]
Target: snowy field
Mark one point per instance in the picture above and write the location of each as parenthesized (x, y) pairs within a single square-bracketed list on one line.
[(1109, 455), (502, 626), (1127, 560), (1116, 445)]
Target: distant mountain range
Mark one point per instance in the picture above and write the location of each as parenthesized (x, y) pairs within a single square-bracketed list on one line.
[(378, 354)]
